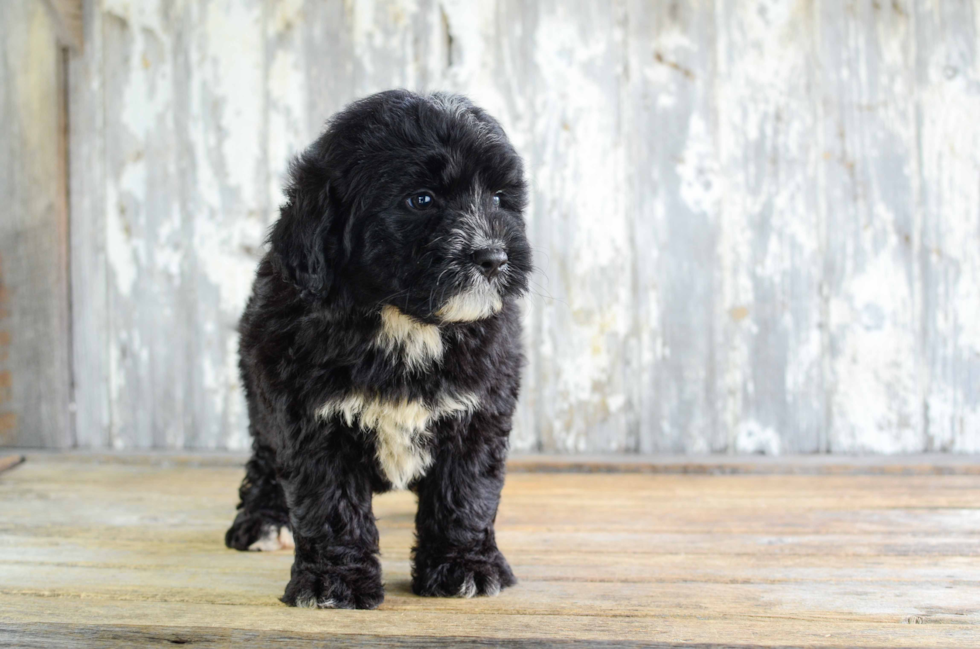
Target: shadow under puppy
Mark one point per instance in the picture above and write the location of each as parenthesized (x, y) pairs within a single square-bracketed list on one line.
[(380, 350)]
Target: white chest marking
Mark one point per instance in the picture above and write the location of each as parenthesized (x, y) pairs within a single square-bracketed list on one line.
[(416, 342), (400, 428)]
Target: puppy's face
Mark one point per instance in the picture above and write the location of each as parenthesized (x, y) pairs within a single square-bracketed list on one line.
[(426, 199)]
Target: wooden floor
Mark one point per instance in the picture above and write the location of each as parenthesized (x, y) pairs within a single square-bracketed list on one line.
[(130, 554)]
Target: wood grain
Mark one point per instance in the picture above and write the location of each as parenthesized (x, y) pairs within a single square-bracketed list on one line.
[(89, 270), (123, 553), (869, 193), (34, 290), (947, 78), (577, 160), (674, 226), (755, 223), (895, 465), (770, 361), (10, 461), (67, 16), (43, 636)]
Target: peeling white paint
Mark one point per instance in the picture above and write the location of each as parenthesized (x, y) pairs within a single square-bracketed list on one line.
[(381, 33), (222, 253), (234, 76), (950, 159), (119, 248), (287, 122), (872, 370), (701, 186), (756, 223), (752, 438)]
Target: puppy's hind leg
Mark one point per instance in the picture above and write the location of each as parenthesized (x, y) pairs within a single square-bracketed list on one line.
[(262, 523)]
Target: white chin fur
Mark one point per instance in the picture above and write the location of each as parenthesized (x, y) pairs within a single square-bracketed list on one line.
[(474, 304)]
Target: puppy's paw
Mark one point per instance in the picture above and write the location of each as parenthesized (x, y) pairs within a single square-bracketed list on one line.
[(335, 587), (273, 538), (466, 576), (258, 533)]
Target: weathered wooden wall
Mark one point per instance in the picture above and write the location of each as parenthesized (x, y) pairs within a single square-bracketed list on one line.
[(34, 290), (757, 222)]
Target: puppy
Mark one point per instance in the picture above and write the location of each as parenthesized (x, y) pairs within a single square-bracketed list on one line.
[(380, 349)]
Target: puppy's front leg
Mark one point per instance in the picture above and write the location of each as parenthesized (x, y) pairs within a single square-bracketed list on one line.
[(329, 495), (456, 551)]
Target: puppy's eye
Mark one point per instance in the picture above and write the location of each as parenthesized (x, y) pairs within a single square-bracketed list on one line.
[(496, 199), (421, 201)]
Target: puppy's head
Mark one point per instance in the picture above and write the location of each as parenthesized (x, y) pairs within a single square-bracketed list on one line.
[(410, 201)]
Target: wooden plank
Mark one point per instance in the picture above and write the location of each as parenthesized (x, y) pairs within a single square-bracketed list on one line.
[(925, 464), (578, 596), (10, 461), (34, 299), (771, 384), (868, 184), (729, 465), (322, 38), (186, 212), (534, 630), (61, 635), (673, 149), (68, 19), (89, 271), (676, 560), (225, 206), (383, 42), (947, 82), (581, 232), (147, 319)]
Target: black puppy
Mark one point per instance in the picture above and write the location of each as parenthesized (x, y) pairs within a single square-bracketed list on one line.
[(380, 349)]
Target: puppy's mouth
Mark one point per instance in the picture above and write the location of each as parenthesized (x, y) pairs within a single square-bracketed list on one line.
[(481, 299)]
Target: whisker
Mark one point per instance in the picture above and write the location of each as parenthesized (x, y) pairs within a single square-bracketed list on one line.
[(383, 300)]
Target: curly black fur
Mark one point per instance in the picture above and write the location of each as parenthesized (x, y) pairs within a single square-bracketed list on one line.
[(381, 349)]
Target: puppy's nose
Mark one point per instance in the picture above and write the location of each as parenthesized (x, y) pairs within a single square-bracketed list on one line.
[(490, 260)]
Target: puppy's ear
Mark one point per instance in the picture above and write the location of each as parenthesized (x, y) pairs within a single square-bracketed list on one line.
[(302, 239)]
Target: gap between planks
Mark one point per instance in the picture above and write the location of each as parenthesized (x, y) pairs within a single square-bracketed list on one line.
[(918, 464)]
